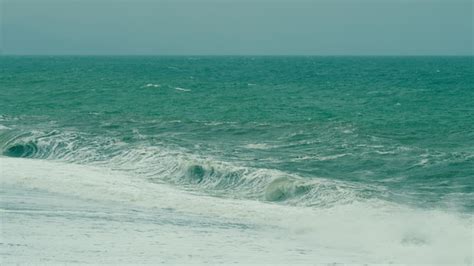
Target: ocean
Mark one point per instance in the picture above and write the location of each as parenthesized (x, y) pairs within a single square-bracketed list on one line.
[(247, 159)]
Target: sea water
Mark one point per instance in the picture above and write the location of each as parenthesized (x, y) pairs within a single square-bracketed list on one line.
[(236, 159)]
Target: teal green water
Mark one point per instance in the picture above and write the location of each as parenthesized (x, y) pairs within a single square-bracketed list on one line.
[(313, 131)]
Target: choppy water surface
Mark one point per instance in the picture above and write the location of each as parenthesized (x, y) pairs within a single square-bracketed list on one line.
[(341, 159)]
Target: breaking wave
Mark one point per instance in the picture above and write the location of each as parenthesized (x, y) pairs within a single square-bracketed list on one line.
[(189, 171)]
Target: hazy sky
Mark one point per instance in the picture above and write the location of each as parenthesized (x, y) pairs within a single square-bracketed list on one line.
[(292, 27)]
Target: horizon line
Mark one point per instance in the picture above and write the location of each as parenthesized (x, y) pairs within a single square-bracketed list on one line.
[(256, 55)]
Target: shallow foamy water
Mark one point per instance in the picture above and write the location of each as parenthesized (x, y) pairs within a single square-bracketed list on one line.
[(59, 212)]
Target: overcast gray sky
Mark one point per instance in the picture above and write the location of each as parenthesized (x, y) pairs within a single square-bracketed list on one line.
[(280, 27)]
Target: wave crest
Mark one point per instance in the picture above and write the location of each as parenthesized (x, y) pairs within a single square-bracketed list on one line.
[(161, 164)]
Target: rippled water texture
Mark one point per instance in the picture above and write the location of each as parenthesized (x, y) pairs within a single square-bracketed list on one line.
[(388, 141)]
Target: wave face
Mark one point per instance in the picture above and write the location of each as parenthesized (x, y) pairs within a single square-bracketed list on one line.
[(180, 167), (303, 133)]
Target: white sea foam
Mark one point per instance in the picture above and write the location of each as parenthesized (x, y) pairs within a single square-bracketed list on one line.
[(321, 157), (258, 146), (181, 89), (55, 212), (218, 123), (423, 162), (2, 127), (152, 85)]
